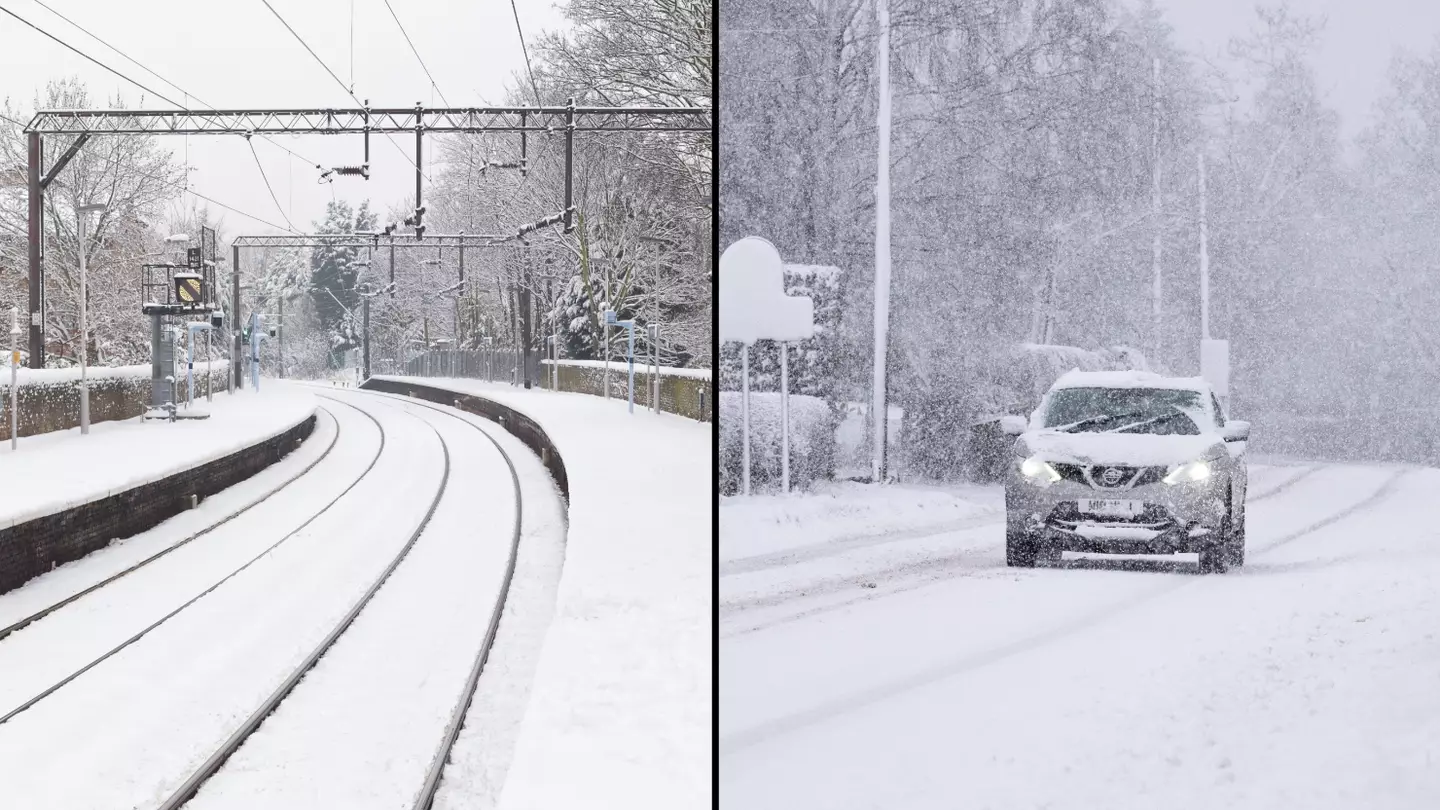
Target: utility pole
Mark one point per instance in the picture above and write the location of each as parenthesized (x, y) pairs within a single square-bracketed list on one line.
[(878, 407), (235, 315), (280, 335), (1155, 213), (1204, 257)]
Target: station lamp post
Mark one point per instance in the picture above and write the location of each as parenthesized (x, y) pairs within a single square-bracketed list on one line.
[(82, 214)]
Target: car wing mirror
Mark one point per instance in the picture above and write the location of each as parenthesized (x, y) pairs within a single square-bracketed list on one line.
[(1236, 431), (1013, 425)]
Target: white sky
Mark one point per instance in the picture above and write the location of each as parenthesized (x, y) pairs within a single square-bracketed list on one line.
[(237, 54), (1358, 41)]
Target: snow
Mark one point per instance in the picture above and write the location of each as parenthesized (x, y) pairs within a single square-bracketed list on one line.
[(786, 527), (1130, 379), (119, 455), (753, 304), (404, 660), (1305, 679), (622, 698), (1119, 448), (154, 711), (623, 367), (65, 376)]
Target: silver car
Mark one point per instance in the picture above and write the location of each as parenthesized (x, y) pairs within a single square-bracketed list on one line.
[(1127, 463)]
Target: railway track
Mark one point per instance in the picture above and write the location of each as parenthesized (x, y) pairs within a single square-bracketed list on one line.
[(425, 795), (37, 615)]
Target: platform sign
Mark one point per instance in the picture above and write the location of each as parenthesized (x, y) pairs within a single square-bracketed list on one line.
[(192, 257), (189, 289)]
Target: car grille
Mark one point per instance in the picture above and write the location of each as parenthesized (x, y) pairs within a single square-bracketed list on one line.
[(1100, 474)]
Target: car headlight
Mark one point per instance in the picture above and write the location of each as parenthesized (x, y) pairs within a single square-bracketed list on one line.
[(1191, 472), (1038, 471)]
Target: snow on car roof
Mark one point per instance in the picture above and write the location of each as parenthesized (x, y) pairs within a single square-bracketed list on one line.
[(1129, 379)]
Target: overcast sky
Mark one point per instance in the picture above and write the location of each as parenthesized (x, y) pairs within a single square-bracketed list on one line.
[(237, 54), (1359, 39)]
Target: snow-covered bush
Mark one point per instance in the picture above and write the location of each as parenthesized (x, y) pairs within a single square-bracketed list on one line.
[(949, 413), (814, 364), (812, 441)]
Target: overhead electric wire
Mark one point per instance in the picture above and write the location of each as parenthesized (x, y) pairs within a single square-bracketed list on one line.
[(416, 51), (526, 52), (12, 120), (136, 62), (348, 91), (90, 58), (270, 188)]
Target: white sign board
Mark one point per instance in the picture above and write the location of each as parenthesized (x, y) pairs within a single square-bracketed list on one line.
[(1215, 365), (753, 303)]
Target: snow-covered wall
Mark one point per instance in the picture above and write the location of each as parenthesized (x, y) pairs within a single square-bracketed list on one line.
[(49, 399)]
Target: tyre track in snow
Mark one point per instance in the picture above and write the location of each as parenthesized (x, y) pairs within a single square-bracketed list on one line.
[(832, 548), (438, 758), (46, 611), (777, 727), (12, 713), (906, 576)]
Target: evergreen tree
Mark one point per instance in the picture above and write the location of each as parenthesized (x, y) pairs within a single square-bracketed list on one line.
[(333, 277)]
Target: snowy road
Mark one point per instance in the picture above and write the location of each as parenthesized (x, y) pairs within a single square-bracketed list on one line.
[(153, 680), (920, 672)]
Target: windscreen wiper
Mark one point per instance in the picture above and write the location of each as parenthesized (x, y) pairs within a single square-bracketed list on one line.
[(1151, 421), (1095, 420)]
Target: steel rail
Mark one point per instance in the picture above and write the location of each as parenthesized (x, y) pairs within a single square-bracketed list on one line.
[(216, 760), (34, 617), (441, 758)]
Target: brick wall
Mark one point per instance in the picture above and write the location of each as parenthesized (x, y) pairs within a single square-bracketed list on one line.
[(517, 424), (34, 547), (687, 396), (49, 406)]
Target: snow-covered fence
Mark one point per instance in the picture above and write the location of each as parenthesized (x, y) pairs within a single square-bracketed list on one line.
[(812, 441), (50, 398)]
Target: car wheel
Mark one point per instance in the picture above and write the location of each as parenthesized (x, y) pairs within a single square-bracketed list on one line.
[(1021, 550), (1215, 555), (1237, 541)]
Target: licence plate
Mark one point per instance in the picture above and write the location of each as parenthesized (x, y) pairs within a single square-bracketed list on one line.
[(1112, 508)]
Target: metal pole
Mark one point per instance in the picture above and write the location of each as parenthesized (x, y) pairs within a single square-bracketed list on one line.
[(569, 163), (784, 418), (630, 356), (367, 337), (745, 416), (607, 357), (655, 352), (1204, 258), (189, 365), (84, 391), (209, 372), (882, 245), (1156, 292), (14, 384), (280, 334), (235, 316), (37, 281)]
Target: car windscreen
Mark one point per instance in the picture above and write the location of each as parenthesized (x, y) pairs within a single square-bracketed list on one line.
[(1126, 410)]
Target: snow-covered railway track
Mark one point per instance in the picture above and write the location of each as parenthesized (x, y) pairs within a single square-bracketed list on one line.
[(38, 614), (112, 651), (232, 744), (378, 662)]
